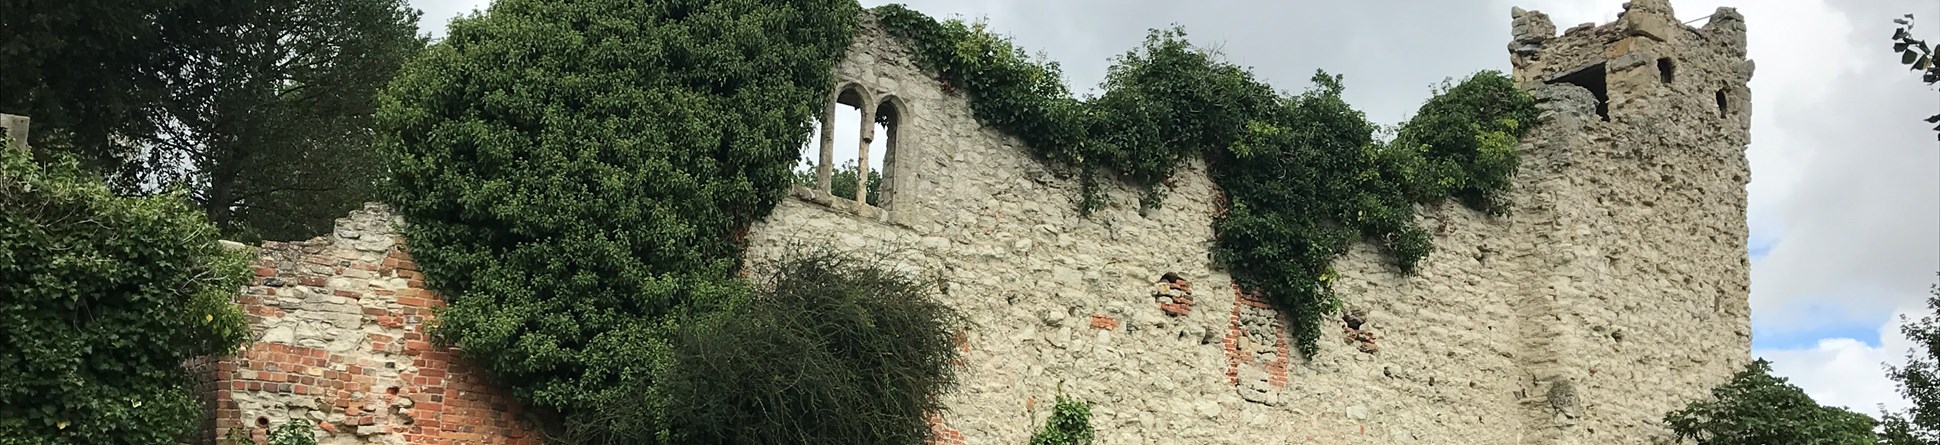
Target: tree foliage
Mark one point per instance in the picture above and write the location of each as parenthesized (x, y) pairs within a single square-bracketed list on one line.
[(262, 108), (1757, 408), (268, 117), (575, 171), (86, 72), (102, 299), (1917, 55), (1918, 381), (1303, 175)]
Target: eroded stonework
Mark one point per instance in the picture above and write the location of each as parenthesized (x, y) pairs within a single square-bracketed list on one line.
[(1615, 292)]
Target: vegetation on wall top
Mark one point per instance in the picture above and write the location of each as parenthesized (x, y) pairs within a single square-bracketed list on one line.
[(1303, 175)]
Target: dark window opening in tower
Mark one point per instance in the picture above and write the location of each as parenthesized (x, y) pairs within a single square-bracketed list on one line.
[(1724, 108), (1591, 78), (1666, 70)]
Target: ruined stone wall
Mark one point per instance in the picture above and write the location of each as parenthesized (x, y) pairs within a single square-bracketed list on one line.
[(1615, 293), (339, 342)]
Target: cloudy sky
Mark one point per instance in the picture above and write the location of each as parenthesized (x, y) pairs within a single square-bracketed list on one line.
[(1845, 192)]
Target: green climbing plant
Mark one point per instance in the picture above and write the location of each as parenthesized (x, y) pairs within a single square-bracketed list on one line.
[(1069, 424), (102, 299), (1303, 175)]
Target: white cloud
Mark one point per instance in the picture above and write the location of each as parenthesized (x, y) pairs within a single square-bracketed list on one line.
[(1848, 372)]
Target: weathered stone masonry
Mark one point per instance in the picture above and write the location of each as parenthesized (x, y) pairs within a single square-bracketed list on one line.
[(340, 343), (1615, 292)]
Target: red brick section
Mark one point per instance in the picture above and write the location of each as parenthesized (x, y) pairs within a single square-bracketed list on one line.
[(1105, 322), (1174, 297), (942, 434), (393, 384), (1277, 369)]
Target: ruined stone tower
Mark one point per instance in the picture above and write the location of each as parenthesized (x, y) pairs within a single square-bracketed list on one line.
[(1616, 292)]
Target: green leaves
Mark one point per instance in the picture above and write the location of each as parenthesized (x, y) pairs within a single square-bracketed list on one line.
[(574, 173), (1917, 55), (1069, 424), (1757, 408), (1303, 174), (102, 299)]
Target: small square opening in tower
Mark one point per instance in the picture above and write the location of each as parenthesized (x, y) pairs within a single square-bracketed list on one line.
[(1594, 79), (1666, 70)]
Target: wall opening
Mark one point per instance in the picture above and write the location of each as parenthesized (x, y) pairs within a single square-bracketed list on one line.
[(841, 152), (1666, 70), (1724, 108), (889, 118), (1591, 78)]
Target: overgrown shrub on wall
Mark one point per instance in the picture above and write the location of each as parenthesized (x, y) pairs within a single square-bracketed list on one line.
[(102, 299), (575, 173), (1303, 175), (832, 348)]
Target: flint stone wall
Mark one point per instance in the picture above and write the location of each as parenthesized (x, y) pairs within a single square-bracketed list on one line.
[(1616, 291)]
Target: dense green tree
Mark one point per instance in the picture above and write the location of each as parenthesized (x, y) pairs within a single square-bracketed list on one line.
[(575, 172), (87, 72), (102, 299), (269, 115), (1757, 408)]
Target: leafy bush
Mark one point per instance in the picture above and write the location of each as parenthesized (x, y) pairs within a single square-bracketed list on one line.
[(832, 348), (1757, 408), (1069, 424), (574, 172), (102, 299), (1303, 175)]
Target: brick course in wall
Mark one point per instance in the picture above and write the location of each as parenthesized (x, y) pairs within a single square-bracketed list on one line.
[(339, 342)]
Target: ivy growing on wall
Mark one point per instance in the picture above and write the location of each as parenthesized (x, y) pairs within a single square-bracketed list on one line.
[(102, 299), (574, 173), (1303, 175)]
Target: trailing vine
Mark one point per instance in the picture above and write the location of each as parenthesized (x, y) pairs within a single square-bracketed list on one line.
[(1303, 175)]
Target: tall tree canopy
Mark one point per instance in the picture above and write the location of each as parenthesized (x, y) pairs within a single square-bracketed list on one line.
[(86, 71), (268, 115), (261, 107)]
